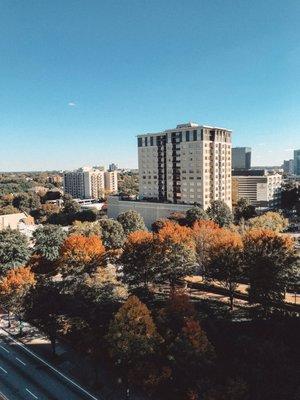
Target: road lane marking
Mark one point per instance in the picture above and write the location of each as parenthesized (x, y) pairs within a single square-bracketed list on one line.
[(22, 362), (50, 366), (3, 348), (2, 369), (3, 395), (33, 395)]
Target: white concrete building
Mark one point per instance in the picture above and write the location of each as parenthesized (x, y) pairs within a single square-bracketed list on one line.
[(261, 187), (84, 183), (111, 181), (150, 211), (188, 164), (90, 183)]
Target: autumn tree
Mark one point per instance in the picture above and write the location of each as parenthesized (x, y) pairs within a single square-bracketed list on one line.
[(204, 234), (132, 337), (131, 221), (112, 233), (13, 289), (191, 358), (269, 260), (14, 249), (158, 224), (80, 254), (220, 213), (137, 259), (85, 228), (226, 260), (194, 214), (270, 220), (174, 253)]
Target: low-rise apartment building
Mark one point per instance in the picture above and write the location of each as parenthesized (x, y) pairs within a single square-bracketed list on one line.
[(261, 187), (90, 183)]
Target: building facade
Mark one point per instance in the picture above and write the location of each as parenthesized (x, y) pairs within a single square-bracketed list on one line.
[(297, 162), (112, 167), (288, 166), (84, 183), (188, 164), (111, 181), (262, 188), (90, 183), (241, 158)]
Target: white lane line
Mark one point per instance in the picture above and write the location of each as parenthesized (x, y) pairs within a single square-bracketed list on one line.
[(2, 369), (3, 395), (3, 348), (20, 361), (50, 366), (33, 395)]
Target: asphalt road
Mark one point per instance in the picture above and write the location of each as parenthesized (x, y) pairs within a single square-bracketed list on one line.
[(25, 376)]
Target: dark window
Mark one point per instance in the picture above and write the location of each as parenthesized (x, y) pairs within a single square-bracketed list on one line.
[(140, 143), (146, 141), (194, 136), (187, 136), (151, 141), (201, 134)]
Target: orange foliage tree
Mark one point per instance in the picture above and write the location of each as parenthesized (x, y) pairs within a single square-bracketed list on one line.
[(81, 254), (226, 260), (174, 253), (14, 287), (137, 259), (205, 233), (134, 342)]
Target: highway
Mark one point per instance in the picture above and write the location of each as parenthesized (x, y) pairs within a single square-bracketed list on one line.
[(26, 376)]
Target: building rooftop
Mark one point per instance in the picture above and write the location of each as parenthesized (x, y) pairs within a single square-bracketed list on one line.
[(184, 126)]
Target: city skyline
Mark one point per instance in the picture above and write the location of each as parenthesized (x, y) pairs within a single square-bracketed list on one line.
[(78, 83)]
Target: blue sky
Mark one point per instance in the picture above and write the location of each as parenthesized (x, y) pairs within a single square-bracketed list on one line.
[(79, 79)]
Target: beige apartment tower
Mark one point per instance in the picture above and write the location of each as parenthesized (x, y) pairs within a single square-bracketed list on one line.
[(111, 181), (186, 165)]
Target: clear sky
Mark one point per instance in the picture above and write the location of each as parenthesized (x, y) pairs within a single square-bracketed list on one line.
[(80, 78)]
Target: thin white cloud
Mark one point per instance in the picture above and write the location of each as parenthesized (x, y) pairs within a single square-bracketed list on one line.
[(261, 144), (288, 149), (71, 104)]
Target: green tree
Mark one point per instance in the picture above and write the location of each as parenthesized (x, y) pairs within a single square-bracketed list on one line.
[(26, 202), (131, 221), (8, 210), (269, 260), (270, 220), (243, 210), (43, 308), (14, 249), (220, 213), (112, 233), (89, 215), (71, 206), (85, 228), (194, 214), (48, 241)]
